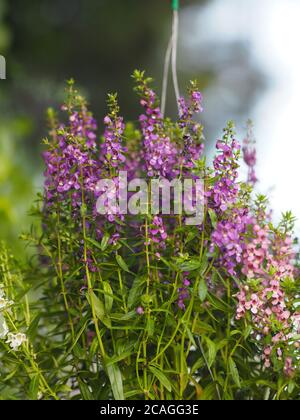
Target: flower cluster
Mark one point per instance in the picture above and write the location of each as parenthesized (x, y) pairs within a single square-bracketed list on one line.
[(83, 125), (15, 340), (112, 149), (4, 302), (268, 262), (160, 154), (192, 131), (229, 238), (157, 234), (255, 252), (71, 164), (183, 292), (225, 189)]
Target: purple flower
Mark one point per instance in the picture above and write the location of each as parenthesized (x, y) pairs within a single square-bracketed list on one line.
[(112, 149), (183, 292), (192, 131), (140, 310), (82, 124), (160, 154), (228, 237), (157, 233), (71, 164), (225, 189)]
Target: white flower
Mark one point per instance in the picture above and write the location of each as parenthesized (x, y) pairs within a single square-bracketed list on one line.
[(16, 340), (4, 303), (3, 327)]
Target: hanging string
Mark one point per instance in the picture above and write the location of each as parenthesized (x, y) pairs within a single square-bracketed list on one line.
[(174, 54), (171, 53), (166, 76)]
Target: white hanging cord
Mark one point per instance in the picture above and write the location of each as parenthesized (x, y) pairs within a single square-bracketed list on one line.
[(174, 54), (171, 53), (166, 77)]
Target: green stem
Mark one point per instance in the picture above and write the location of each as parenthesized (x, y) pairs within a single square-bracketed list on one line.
[(61, 279), (90, 286)]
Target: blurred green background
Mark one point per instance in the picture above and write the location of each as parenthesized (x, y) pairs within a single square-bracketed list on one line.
[(99, 43)]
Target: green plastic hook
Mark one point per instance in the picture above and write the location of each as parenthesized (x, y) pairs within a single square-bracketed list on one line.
[(175, 4)]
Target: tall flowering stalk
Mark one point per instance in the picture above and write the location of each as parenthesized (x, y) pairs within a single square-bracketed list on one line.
[(268, 263), (192, 131), (224, 191), (160, 154)]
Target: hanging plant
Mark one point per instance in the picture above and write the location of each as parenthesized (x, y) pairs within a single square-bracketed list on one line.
[(149, 306)]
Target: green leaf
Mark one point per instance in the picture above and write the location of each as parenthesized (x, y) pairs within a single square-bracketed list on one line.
[(99, 308), (108, 298), (198, 365), (218, 303), (291, 387), (191, 236), (123, 242), (34, 387), (115, 378), (122, 263), (212, 351), (136, 291), (202, 327), (247, 331), (82, 329), (133, 393), (191, 265), (213, 217), (169, 264), (150, 327), (85, 391), (234, 372), (202, 289), (104, 242), (95, 243), (161, 377), (97, 304), (190, 334), (116, 359), (32, 330), (123, 317)]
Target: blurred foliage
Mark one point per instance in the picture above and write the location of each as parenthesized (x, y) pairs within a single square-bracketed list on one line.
[(16, 182)]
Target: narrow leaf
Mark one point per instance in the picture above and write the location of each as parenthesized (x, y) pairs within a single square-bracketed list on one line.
[(99, 308), (108, 298), (193, 264), (150, 327), (161, 377), (85, 391), (202, 289), (115, 378), (234, 372), (212, 351), (136, 291), (122, 263), (34, 387), (104, 242)]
